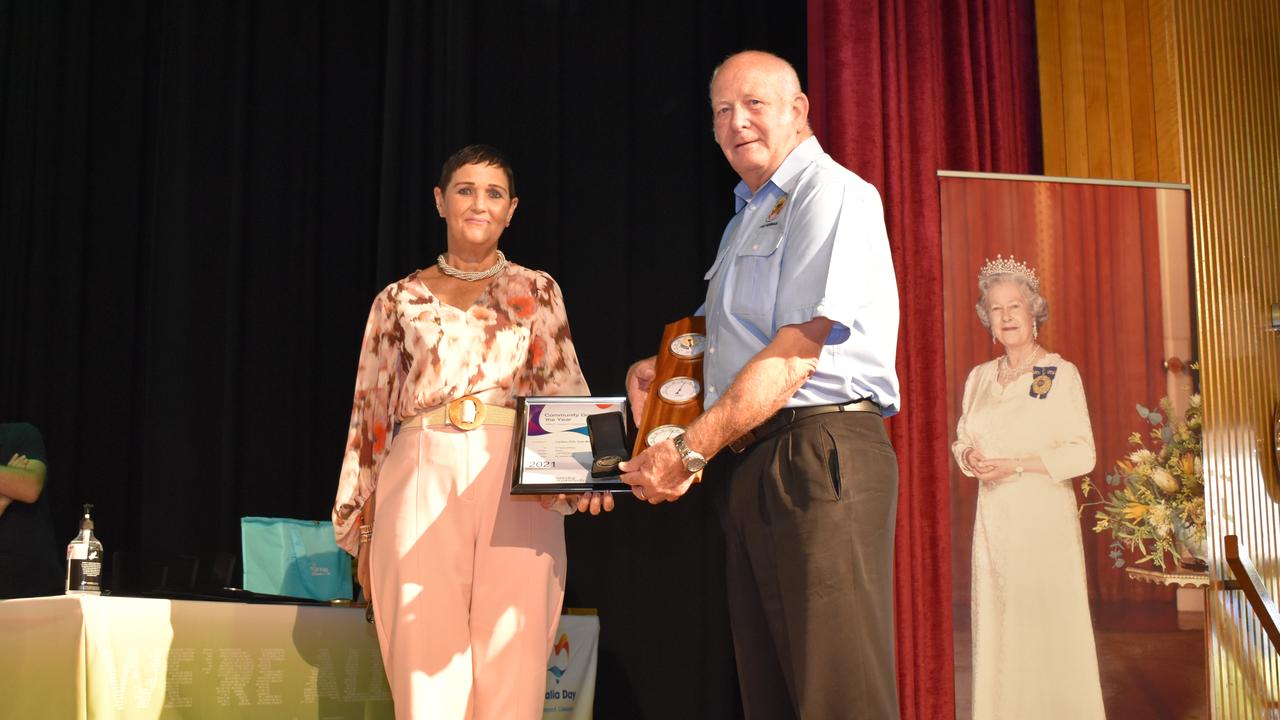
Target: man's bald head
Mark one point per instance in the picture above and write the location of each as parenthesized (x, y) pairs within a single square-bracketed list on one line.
[(765, 62), (759, 113)]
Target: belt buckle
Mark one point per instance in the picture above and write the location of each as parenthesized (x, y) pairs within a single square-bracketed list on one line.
[(466, 413)]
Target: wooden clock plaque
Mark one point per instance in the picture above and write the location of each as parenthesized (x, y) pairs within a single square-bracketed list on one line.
[(675, 396)]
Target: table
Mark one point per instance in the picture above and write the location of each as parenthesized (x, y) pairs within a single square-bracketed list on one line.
[(118, 657), (96, 657), (1192, 585)]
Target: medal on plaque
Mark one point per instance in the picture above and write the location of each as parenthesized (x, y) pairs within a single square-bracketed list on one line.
[(608, 435), (675, 395)]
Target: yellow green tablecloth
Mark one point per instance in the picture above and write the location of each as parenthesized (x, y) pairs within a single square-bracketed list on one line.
[(115, 657), (106, 658)]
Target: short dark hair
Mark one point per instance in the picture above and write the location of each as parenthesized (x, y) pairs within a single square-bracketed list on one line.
[(477, 155)]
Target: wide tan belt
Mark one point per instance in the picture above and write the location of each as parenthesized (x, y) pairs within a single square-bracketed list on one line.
[(465, 413)]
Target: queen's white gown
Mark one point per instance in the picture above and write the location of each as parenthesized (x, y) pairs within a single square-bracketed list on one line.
[(1033, 649)]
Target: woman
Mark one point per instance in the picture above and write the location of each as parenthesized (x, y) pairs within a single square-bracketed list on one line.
[(1025, 435), (466, 580)]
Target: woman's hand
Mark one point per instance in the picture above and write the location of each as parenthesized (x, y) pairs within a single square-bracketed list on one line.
[(977, 462), (996, 471), (365, 523), (593, 502), (362, 571)]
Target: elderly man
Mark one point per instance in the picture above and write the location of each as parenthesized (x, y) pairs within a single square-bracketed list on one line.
[(802, 323)]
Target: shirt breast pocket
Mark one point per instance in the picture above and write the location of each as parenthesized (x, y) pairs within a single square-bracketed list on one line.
[(755, 279)]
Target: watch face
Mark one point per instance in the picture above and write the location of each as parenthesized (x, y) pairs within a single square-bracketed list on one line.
[(680, 390), (689, 346), (661, 433)]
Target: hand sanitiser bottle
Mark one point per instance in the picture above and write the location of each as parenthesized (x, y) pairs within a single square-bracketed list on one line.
[(84, 560)]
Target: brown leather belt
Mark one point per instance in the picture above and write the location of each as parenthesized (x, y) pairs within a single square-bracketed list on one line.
[(786, 416), (465, 413)]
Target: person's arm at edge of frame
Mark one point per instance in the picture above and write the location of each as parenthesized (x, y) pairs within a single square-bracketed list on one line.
[(22, 479), (765, 384)]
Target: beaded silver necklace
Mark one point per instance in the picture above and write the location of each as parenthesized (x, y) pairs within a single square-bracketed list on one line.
[(472, 275)]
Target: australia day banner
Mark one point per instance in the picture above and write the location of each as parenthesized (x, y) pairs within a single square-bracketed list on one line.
[(571, 669)]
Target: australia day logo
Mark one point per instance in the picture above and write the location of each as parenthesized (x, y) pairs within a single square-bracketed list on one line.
[(561, 646), (557, 667)]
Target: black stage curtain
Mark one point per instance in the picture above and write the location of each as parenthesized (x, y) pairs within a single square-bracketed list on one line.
[(199, 200)]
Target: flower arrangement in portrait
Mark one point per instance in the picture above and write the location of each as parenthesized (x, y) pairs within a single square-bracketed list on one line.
[(1155, 506)]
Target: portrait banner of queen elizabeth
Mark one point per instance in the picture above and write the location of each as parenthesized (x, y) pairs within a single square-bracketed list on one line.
[(1069, 353)]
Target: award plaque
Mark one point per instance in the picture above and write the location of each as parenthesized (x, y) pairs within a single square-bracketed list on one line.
[(675, 395), (569, 445)]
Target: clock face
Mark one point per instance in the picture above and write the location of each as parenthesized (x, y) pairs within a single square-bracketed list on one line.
[(680, 390), (663, 432), (689, 346)]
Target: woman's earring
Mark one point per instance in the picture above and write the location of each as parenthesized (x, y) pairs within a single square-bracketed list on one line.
[(1035, 329), (993, 336)]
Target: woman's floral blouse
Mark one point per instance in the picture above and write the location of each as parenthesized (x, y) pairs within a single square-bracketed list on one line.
[(419, 353)]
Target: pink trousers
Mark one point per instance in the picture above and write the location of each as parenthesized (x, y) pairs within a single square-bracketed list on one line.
[(468, 580)]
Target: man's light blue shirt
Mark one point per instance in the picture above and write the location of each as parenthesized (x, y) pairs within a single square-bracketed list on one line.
[(811, 242)]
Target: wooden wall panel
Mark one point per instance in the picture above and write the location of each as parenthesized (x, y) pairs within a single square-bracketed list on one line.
[(1052, 110), (1164, 90), (1192, 94), (1075, 109), (1108, 89), (1096, 114), (1228, 56), (1115, 34), (1142, 118)]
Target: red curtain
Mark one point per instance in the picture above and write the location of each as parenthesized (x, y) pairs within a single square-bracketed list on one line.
[(900, 89)]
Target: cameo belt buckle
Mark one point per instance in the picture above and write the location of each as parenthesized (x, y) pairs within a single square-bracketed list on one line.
[(466, 413)]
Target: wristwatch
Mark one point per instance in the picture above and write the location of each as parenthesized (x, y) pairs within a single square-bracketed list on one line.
[(693, 460)]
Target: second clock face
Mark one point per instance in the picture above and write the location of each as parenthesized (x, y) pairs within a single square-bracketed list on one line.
[(663, 432), (680, 390), (689, 346)]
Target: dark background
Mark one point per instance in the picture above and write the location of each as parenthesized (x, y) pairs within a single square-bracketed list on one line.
[(198, 201)]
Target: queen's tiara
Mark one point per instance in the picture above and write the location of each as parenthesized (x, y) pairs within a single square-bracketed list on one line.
[(1009, 266)]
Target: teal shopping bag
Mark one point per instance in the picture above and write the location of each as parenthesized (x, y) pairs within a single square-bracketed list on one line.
[(297, 558)]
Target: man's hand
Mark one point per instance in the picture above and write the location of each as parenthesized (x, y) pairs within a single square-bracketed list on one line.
[(639, 376), (19, 461), (657, 474)]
